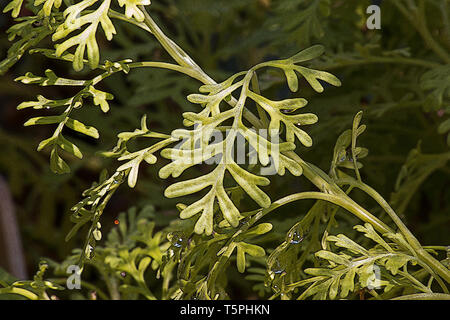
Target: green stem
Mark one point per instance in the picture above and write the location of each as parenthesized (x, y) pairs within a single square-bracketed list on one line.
[(23, 292), (172, 48), (152, 64)]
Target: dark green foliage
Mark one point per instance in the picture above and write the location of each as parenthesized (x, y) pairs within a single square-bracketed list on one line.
[(112, 98)]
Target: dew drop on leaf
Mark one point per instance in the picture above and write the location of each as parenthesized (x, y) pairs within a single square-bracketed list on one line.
[(178, 239), (276, 268), (295, 235)]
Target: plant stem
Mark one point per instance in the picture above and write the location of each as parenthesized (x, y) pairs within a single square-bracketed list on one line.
[(23, 292)]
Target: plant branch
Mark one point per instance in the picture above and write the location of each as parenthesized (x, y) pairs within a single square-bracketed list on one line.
[(320, 179)]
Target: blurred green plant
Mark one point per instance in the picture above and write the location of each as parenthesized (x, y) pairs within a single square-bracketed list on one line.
[(187, 258)]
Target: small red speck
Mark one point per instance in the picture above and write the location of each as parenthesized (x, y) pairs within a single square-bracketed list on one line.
[(116, 221)]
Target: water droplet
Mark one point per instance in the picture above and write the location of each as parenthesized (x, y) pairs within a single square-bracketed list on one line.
[(296, 238), (295, 235), (123, 274), (47, 107), (177, 238), (277, 267)]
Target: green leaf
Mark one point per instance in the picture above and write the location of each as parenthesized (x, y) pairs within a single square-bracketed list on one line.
[(249, 183), (240, 259), (131, 9), (86, 40), (44, 103), (345, 242), (57, 164), (82, 128), (444, 126), (307, 54), (370, 233), (394, 263), (50, 79), (229, 210), (436, 82), (48, 5), (100, 98), (246, 248), (44, 120), (47, 142), (330, 256), (348, 283), (291, 78), (14, 6), (28, 36), (334, 287), (258, 230), (252, 249), (68, 146), (312, 76)]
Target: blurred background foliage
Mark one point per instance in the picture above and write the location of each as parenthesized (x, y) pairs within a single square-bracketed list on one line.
[(392, 74)]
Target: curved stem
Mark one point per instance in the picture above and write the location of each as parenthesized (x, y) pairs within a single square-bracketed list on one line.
[(152, 64), (172, 48), (23, 292)]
